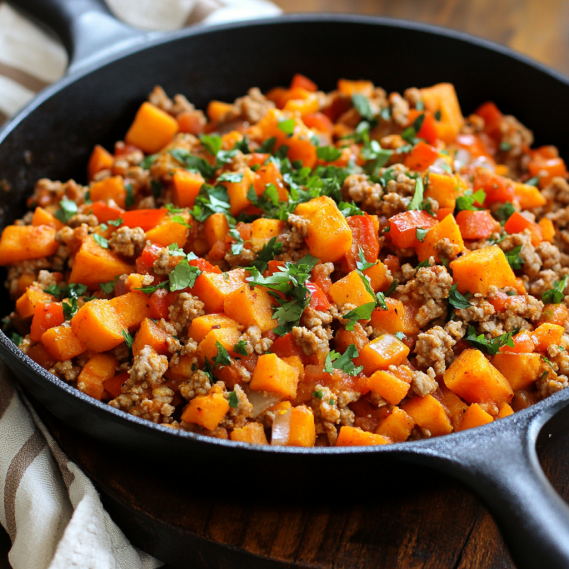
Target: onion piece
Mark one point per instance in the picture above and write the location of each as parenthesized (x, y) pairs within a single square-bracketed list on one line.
[(461, 158), (261, 402), (281, 428)]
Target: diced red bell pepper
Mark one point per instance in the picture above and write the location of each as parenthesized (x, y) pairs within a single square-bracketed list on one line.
[(273, 267), (301, 82), (476, 224), (256, 159), (428, 130), (364, 236), (497, 188), (492, 119), (517, 223), (392, 263), (204, 266), (158, 303), (318, 121), (149, 255), (403, 227), (442, 212), (105, 213), (318, 300), (286, 346), (523, 344), (123, 149), (46, 315), (477, 144), (421, 157), (146, 219)]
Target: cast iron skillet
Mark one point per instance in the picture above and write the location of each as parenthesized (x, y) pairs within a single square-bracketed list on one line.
[(53, 136)]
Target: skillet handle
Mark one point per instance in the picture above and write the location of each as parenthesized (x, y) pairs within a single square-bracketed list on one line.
[(86, 28), (501, 466)]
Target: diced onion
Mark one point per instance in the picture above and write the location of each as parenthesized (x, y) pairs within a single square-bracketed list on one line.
[(461, 159), (261, 402), (281, 428)]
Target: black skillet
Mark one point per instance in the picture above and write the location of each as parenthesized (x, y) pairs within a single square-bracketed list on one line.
[(53, 136)]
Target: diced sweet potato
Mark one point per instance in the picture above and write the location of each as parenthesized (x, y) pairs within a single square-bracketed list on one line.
[(98, 326), (442, 98), (109, 189), (391, 388), (213, 288), (445, 229), (454, 405), (547, 229), (150, 334), (252, 433), (216, 228), (186, 187), (403, 227), (390, 320), (302, 428), (521, 370), (100, 368), (378, 278), (27, 303), (475, 416), (237, 192), (41, 356), (132, 308), (329, 236), (263, 230), (61, 343), (443, 188), (350, 290), (227, 337), (152, 129), (382, 352), (476, 380), (274, 375), (206, 410), (21, 242), (352, 436), (478, 270), (167, 233), (46, 316), (397, 426), (182, 369), (94, 265), (547, 334), (528, 196), (203, 325), (43, 217), (505, 411), (251, 307), (429, 414), (100, 159)]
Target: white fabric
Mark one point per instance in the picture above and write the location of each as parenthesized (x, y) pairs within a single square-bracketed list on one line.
[(50, 509)]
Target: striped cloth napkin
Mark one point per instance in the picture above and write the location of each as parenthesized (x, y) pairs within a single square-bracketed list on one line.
[(49, 508)]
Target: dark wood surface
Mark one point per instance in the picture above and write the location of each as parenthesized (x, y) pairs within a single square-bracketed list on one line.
[(410, 517)]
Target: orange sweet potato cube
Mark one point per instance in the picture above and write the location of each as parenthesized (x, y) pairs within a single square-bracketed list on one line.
[(186, 187), (475, 416), (216, 228), (251, 307), (168, 233), (397, 426), (107, 189), (274, 375), (302, 428), (100, 159), (478, 270), (61, 343), (41, 356), (263, 230), (237, 192), (22, 242), (213, 288), (382, 352), (150, 334), (386, 385), (476, 380), (390, 320), (252, 433), (98, 326), (521, 370), (505, 411), (97, 370), (94, 265), (182, 369), (443, 188), (26, 304), (350, 290), (206, 410), (547, 334), (429, 414), (447, 228), (203, 325), (352, 436), (528, 196), (43, 217), (227, 337), (378, 278), (442, 98), (152, 129), (132, 308), (329, 236)]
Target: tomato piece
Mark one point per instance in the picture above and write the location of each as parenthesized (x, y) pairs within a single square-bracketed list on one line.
[(421, 157), (403, 227), (149, 255), (204, 266), (476, 224), (492, 119), (497, 188), (146, 219), (158, 304), (301, 82), (517, 223), (318, 121), (104, 212), (286, 346), (318, 300), (364, 236), (46, 315)]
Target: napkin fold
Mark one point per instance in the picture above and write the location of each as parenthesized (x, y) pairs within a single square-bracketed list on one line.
[(49, 508)]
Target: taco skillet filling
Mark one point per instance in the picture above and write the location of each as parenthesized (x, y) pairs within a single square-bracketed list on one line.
[(303, 268)]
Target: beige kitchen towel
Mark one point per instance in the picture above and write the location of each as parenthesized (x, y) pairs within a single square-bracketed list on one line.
[(50, 509)]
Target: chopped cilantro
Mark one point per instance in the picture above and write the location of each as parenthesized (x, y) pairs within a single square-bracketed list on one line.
[(232, 177), (547, 361), (193, 163), (236, 247), (400, 336), (376, 157), (16, 338), (179, 219), (233, 400), (511, 293), (467, 201), (211, 142), (116, 222), (332, 401), (410, 133), (287, 126), (343, 362), (222, 357), (504, 212), (156, 188), (268, 146), (129, 202), (266, 254), (148, 161), (556, 294), (391, 288), (101, 240), (53, 289), (108, 287), (532, 181), (421, 233), (318, 394), (457, 299), (240, 348), (505, 146), (128, 339), (362, 264), (361, 104), (417, 201), (211, 200), (67, 210), (420, 106), (70, 308), (175, 251), (183, 276), (491, 347), (437, 114), (153, 288), (328, 153), (362, 312), (347, 209), (173, 209), (513, 257)]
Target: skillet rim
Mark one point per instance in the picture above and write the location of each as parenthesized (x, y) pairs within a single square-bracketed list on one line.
[(425, 446)]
